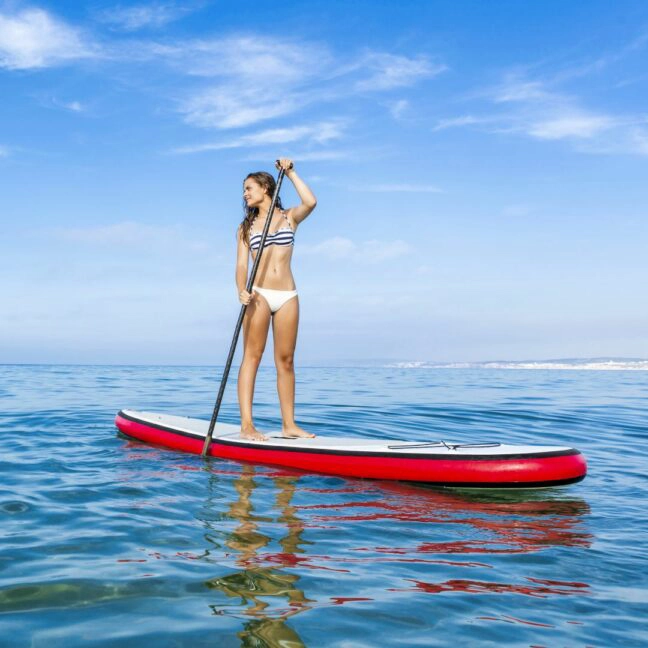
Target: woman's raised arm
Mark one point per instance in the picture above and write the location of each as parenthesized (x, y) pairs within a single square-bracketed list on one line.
[(308, 200)]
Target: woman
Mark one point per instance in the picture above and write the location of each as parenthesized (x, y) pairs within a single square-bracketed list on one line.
[(273, 296)]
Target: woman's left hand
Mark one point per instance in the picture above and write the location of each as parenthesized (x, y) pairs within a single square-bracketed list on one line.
[(285, 163)]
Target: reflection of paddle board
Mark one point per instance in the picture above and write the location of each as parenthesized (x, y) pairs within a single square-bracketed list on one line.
[(482, 465)]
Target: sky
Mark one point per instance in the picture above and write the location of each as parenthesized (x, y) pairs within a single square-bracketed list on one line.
[(480, 167)]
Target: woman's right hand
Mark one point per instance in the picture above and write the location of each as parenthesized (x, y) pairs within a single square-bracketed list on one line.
[(245, 297)]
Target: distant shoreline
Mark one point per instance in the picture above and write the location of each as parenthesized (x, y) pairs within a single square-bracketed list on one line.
[(569, 364), (585, 364)]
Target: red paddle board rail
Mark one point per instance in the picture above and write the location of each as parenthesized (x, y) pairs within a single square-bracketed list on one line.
[(479, 470)]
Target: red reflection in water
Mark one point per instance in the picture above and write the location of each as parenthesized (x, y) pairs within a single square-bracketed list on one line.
[(289, 560), (507, 525), (189, 555), (387, 550), (341, 600), (559, 588), (510, 524)]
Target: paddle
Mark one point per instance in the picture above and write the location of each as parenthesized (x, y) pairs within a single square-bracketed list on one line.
[(239, 323)]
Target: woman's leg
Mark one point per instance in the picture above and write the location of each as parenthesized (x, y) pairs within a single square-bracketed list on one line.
[(255, 334), (284, 331)]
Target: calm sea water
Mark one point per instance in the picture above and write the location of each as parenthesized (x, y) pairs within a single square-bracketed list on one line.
[(109, 543)]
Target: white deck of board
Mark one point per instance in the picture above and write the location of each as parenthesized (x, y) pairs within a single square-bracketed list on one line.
[(231, 433)]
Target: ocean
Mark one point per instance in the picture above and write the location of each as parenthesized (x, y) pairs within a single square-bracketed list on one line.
[(106, 542)]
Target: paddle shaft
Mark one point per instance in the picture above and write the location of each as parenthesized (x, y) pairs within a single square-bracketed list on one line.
[(239, 323)]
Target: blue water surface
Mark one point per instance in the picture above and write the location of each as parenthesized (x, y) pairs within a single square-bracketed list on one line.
[(107, 542)]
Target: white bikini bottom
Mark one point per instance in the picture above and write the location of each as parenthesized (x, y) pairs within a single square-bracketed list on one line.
[(275, 298)]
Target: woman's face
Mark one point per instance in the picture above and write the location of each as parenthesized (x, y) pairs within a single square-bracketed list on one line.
[(253, 193)]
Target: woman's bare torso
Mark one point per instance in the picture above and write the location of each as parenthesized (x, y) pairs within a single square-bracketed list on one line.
[(274, 271)]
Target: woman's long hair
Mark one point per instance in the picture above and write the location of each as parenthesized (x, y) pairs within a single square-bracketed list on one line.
[(250, 213)]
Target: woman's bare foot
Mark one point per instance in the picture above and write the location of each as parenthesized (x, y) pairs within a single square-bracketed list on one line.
[(295, 432), (250, 433)]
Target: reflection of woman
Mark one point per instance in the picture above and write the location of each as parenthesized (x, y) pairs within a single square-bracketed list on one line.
[(255, 583), (274, 296)]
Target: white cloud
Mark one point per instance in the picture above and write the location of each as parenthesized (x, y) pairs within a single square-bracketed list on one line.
[(253, 58), (545, 114), (4, 151), (257, 78), (604, 61), (74, 106), (536, 111), (632, 139), (50, 101), (391, 71), (306, 156), (146, 237), (567, 125), (372, 251), (248, 78), (35, 39), (320, 133), (463, 120), (639, 138), (261, 78), (398, 108), (516, 90), (230, 106), (144, 16)]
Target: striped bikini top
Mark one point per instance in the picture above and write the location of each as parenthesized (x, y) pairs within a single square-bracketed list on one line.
[(284, 236)]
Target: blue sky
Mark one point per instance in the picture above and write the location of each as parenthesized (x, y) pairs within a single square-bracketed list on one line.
[(480, 168)]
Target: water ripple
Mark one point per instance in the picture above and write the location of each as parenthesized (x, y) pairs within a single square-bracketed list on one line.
[(104, 537)]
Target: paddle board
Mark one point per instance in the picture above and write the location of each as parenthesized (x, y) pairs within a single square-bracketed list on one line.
[(441, 463)]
